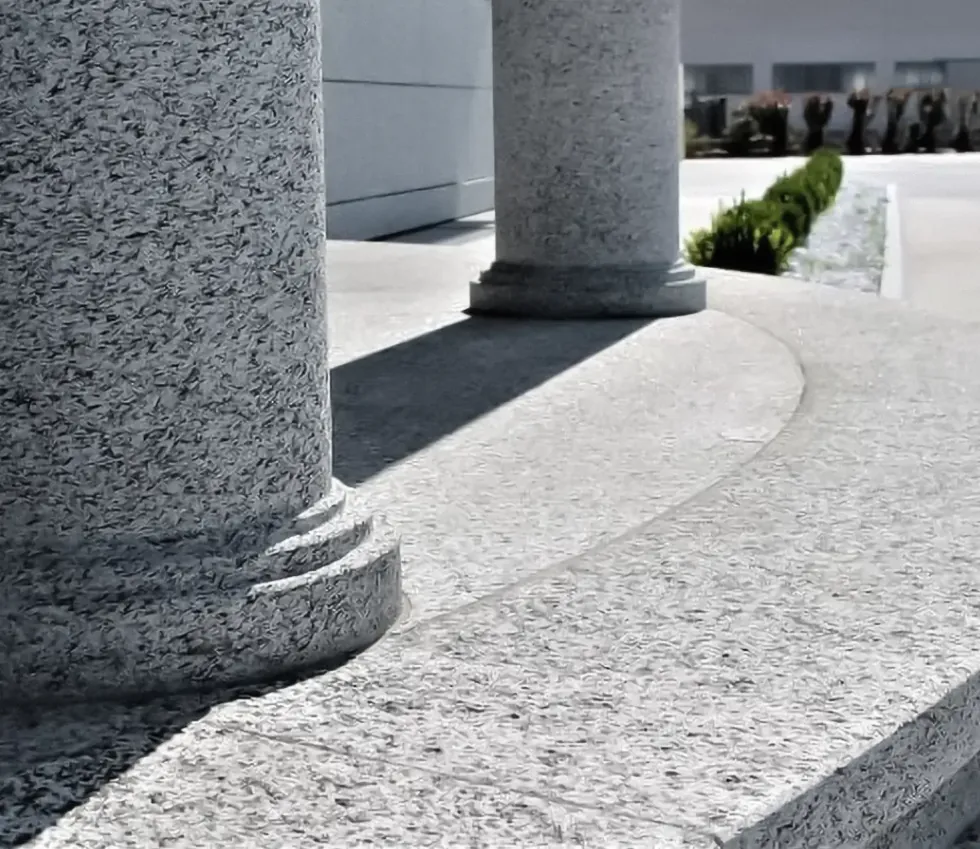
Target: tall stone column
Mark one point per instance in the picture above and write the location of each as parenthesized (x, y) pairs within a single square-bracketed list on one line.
[(587, 173), (167, 511)]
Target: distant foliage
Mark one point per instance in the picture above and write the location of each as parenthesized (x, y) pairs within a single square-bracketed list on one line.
[(817, 111), (760, 235), (863, 107)]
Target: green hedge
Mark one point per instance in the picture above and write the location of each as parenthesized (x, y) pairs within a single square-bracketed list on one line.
[(759, 235)]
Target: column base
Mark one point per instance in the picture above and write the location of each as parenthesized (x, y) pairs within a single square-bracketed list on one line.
[(324, 588), (624, 291)]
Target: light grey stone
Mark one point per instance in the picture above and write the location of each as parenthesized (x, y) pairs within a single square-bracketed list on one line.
[(785, 659), (786, 662), (606, 291), (213, 786), (846, 247), (433, 412), (167, 511), (587, 171)]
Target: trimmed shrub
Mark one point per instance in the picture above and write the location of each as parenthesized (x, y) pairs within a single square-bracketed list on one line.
[(799, 200), (770, 111), (932, 109), (967, 108), (748, 236), (896, 101), (863, 107), (742, 135), (759, 235)]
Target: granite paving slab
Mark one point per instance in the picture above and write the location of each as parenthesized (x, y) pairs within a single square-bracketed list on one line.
[(485, 434), (785, 659), (732, 655), (217, 787), (846, 247)]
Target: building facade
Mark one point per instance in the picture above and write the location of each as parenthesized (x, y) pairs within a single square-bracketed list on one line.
[(738, 47), (408, 85), (408, 103)]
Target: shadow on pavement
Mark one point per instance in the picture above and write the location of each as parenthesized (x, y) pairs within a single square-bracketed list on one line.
[(393, 403), (54, 758), (387, 406)]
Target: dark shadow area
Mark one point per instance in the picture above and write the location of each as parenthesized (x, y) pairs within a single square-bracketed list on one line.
[(432, 234), (450, 233), (391, 404), (918, 787), (53, 758)]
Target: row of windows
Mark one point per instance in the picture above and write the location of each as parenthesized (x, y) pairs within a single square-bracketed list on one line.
[(713, 80)]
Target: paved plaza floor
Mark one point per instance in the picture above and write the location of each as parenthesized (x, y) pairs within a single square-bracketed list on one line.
[(690, 583)]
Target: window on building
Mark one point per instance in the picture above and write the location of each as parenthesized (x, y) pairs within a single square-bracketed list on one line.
[(829, 77), (717, 80), (914, 74)]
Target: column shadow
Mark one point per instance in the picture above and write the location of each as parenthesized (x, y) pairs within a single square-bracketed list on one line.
[(387, 406), (53, 758), (393, 403)]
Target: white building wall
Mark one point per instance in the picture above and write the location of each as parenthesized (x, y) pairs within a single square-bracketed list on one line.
[(883, 32), (408, 88), (408, 113)]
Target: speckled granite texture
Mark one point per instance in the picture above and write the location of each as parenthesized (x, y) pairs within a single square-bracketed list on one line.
[(787, 661), (234, 789), (846, 248), (587, 171), (533, 403), (166, 508), (784, 659)]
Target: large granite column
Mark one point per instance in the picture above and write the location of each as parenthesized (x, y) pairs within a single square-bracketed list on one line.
[(587, 172), (167, 514)]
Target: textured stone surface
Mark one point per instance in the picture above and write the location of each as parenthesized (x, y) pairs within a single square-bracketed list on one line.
[(434, 411), (846, 247), (547, 291), (220, 787), (166, 397), (587, 172), (787, 660)]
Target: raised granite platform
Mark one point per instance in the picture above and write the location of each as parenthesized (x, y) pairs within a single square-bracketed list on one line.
[(701, 582)]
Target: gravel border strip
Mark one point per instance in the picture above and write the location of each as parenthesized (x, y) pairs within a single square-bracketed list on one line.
[(846, 247)]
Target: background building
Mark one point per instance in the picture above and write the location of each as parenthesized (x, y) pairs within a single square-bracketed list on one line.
[(407, 95), (407, 85), (738, 47)]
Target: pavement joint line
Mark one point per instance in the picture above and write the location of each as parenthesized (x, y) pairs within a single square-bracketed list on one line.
[(892, 283), (803, 404), (352, 754)]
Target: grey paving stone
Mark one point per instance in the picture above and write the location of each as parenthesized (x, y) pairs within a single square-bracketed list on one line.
[(480, 438), (219, 788), (846, 247), (786, 660), (739, 652)]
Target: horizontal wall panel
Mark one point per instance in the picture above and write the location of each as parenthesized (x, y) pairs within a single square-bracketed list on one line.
[(829, 31), (384, 139), (407, 113), (426, 42), (368, 218)]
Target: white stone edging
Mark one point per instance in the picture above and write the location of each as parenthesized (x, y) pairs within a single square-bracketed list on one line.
[(891, 276)]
